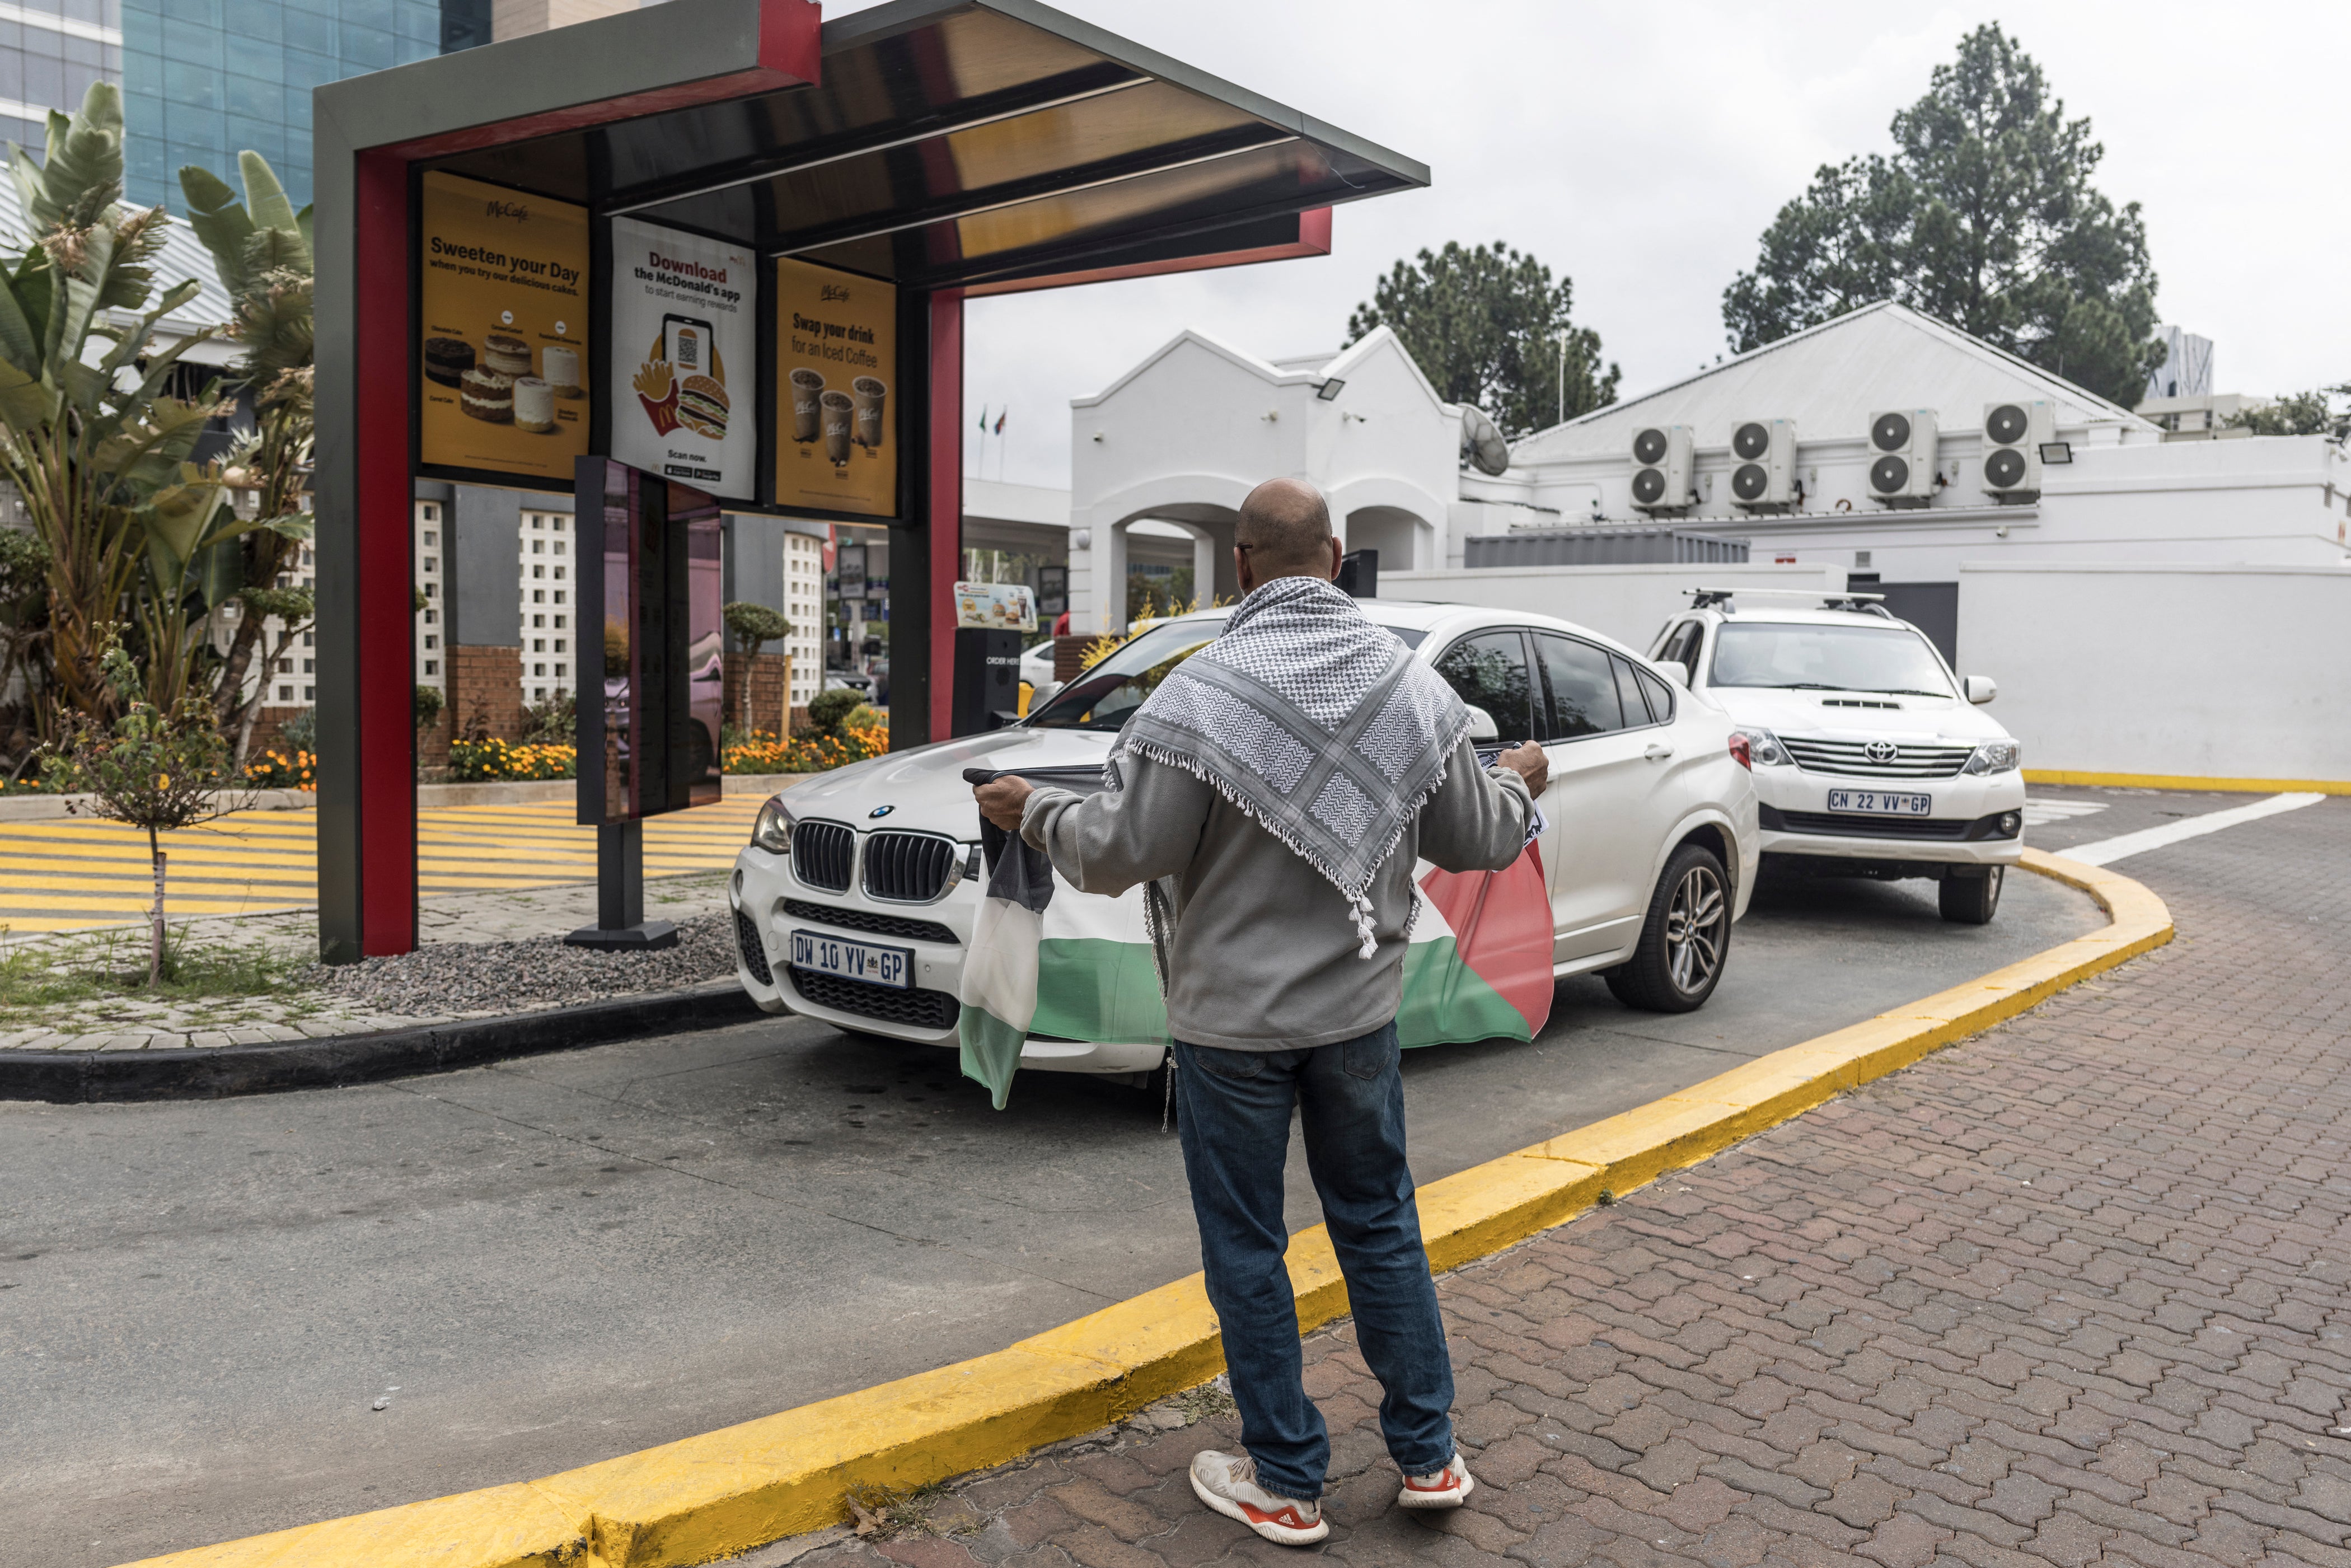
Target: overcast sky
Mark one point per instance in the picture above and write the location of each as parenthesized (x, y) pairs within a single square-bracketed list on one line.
[(1642, 149)]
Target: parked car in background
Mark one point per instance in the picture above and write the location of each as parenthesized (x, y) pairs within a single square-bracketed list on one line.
[(857, 895), (1872, 759)]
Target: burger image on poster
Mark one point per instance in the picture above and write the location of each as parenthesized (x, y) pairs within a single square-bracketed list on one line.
[(702, 407)]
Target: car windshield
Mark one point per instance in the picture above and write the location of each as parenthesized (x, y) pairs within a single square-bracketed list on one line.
[(1893, 660), (1105, 695)]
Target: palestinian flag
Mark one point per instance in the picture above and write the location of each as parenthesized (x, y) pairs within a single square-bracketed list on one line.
[(1048, 960)]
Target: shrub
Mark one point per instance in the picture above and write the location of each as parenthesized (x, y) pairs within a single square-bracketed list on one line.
[(427, 703), (828, 710)]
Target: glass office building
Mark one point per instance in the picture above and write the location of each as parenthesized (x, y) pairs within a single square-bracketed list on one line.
[(50, 51), (205, 79)]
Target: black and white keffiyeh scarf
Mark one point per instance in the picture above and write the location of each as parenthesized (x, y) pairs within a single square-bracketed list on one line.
[(1319, 724)]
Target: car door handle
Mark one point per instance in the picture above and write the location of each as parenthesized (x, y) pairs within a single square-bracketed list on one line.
[(1656, 753)]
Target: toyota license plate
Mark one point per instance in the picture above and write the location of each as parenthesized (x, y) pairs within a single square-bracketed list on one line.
[(1877, 803), (851, 960)]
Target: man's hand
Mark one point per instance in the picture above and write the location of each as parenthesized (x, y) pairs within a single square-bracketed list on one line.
[(1001, 801), (1526, 760)]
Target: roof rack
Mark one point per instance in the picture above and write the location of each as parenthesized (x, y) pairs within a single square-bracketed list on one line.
[(1712, 598)]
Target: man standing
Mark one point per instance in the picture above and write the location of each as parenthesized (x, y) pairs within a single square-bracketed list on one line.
[(1272, 795)]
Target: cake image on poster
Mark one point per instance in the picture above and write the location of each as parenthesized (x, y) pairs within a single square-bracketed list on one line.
[(487, 396), (702, 407), (559, 366), (446, 360), (534, 406), (507, 354)]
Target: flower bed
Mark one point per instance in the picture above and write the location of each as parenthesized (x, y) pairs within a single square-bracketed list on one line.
[(763, 752), (486, 761), (282, 771)]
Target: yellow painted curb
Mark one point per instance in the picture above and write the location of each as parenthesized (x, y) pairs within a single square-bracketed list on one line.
[(2188, 781), (727, 1491)]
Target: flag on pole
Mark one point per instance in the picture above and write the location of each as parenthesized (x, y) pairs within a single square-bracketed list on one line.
[(1000, 419), (982, 419)]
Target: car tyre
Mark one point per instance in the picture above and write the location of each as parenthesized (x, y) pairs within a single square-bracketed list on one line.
[(1970, 901), (1685, 940)]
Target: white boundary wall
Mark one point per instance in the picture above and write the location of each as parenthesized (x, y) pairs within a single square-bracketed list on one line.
[(2230, 671), (1630, 603)]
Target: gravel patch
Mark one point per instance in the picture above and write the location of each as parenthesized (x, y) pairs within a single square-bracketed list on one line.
[(446, 978)]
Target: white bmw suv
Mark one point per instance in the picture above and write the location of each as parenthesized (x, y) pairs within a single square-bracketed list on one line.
[(1870, 758)]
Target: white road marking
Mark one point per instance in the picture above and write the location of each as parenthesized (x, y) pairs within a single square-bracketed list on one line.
[(2105, 852), (2037, 812)]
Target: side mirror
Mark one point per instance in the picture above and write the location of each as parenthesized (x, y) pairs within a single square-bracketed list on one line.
[(1981, 689), (1675, 671), (1482, 723)]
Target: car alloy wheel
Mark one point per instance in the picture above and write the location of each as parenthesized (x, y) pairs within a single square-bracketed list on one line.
[(1694, 930)]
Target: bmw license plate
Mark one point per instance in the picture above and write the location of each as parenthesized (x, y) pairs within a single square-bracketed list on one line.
[(1878, 803), (851, 960)]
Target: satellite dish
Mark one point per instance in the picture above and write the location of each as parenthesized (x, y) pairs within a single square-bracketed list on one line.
[(1482, 444)]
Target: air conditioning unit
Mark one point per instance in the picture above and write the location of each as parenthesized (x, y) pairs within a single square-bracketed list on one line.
[(2014, 433), (1661, 469), (1763, 465), (1902, 456)]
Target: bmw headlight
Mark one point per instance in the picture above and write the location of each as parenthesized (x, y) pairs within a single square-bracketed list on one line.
[(773, 831), (1995, 757), (1764, 747)]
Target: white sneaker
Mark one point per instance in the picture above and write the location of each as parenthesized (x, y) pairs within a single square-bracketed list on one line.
[(1447, 1487), (1228, 1483)]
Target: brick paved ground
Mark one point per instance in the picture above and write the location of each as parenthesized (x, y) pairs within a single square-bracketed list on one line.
[(2071, 1292)]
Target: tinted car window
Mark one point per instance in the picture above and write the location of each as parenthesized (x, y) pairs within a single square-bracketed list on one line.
[(1583, 699), (1637, 711), (1660, 696), (1489, 670)]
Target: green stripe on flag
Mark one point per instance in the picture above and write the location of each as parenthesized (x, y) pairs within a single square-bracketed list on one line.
[(991, 1050), (1088, 987), (1446, 1003)]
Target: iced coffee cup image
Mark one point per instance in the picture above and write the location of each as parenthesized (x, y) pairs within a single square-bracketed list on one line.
[(807, 388), (839, 414), (868, 394)]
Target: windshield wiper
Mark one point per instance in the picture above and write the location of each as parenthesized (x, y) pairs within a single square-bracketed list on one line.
[(1898, 692)]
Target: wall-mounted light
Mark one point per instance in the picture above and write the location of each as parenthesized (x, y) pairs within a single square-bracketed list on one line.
[(1082, 539), (2056, 451), (1098, 436), (1329, 390)]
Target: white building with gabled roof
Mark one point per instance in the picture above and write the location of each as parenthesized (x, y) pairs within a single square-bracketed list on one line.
[(1184, 436)]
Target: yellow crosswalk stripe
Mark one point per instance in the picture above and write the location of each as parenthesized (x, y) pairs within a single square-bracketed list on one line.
[(73, 872)]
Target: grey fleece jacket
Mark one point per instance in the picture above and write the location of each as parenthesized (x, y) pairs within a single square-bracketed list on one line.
[(1265, 955)]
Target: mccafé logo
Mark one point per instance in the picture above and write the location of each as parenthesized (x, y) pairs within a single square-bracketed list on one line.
[(515, 210), (831, 292)]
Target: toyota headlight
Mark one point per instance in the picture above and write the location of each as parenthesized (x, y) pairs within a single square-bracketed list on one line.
[(1994, 756), (773, 831), (1764, 747)]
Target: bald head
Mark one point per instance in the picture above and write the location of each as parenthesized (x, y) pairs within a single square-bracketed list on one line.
[(1285, 531)]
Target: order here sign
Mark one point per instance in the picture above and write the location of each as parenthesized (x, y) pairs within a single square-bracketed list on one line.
[(504, 318), (836, 411), (684, 356)]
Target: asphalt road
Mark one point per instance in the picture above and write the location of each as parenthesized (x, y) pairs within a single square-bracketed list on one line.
[(550, 1262)]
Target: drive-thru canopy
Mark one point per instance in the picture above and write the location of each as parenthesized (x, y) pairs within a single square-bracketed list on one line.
[(821, 198)]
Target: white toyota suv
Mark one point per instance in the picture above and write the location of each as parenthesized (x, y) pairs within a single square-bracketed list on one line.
[(1870, 758)]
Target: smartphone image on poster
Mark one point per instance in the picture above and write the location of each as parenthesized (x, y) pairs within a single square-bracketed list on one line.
[(686, 343)]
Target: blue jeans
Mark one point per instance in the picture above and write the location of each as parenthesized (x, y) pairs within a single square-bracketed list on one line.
[(1235, 1125)]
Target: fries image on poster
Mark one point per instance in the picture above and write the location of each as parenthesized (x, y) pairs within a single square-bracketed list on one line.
[(685, 344), (505, 297), (836, 419)]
